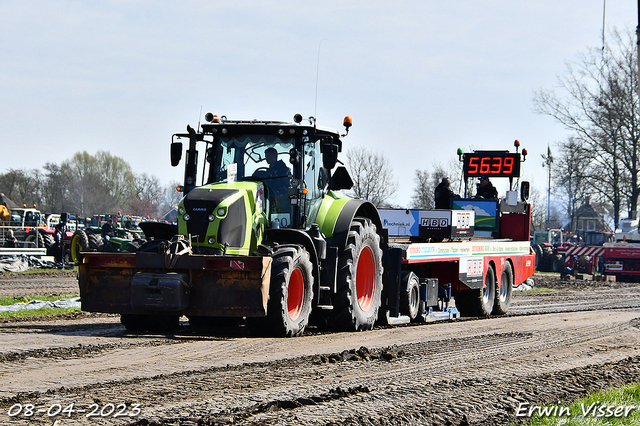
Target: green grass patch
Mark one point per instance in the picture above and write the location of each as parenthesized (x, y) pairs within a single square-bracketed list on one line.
[(28, 313), (10, 300), (612, 407)]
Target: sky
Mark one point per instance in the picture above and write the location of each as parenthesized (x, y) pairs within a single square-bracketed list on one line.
[(419, 78)]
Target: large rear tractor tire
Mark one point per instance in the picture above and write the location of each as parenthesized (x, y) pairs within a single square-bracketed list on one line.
[(557, 264), (546, 261), (134, 246), (36, 238), (478, 302), (49, 243), (290, 294), (95, 242), (79, 243), (504, 293), (356, 304), (538, 258)]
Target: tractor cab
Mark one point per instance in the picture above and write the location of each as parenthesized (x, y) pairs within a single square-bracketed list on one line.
[(255, 176)]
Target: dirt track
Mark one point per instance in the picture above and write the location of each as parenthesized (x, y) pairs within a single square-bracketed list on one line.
[(471, 372)]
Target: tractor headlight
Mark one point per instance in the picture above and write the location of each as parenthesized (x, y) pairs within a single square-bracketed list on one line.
[(181, 210), (186, 217), (211, 240), (221, 212), (211, 218)]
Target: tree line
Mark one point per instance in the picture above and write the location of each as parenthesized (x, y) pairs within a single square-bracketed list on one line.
[(88, 184), (598, 164), (597, 102)]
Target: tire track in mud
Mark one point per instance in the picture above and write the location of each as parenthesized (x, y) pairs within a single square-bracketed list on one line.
[(390, 380), (487, 368)]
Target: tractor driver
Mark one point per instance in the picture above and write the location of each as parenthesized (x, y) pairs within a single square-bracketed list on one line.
[(278, 174), (108, 230), (59, 230)]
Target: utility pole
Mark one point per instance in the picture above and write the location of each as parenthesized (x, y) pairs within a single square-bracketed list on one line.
[(548, 159)]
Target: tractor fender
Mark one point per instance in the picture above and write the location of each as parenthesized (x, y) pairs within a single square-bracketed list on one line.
[(351, 209)]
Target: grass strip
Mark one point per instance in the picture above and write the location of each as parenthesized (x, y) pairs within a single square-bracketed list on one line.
[(10, 300), (619, 406), (27, 313)]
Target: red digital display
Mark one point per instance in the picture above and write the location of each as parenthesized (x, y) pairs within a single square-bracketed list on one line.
[(497, 164)]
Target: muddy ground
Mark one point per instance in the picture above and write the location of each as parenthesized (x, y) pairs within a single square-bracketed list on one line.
[(553, 346)]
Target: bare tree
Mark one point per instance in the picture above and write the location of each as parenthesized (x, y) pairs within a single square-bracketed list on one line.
[(538, 212), (170, 202), (148, 195), (422, 197), (425, 185), (572, 171), (599, 105), (55, 189), (372, 175), (22, 186)]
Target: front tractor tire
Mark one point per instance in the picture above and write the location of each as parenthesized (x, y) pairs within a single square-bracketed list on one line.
[(290, 294), (478, 302), (359, 295)]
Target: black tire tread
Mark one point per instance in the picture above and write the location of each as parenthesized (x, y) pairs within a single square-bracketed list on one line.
[(286, 258), (344, 315)]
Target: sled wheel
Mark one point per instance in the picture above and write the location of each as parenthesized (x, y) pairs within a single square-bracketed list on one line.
[(79, 243), (358, 299), (290, 294), (410, 303), (480, 301), (503, 294)]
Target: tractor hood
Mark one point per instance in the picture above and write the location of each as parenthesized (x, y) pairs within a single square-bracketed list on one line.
[(223, 217)]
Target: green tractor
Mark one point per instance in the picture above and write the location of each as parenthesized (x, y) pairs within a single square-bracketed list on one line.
[(265, 236), (126, 236)]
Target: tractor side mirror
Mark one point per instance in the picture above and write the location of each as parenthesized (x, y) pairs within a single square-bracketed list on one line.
[(329, 151), (294, 157), (176, 153), (524, 191), (340, 179)]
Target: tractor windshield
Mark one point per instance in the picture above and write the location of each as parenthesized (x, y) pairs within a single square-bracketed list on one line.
[(252, 157)]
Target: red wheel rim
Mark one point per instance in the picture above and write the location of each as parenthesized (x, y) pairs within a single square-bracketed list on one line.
[(365, 278), (295, 296)]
